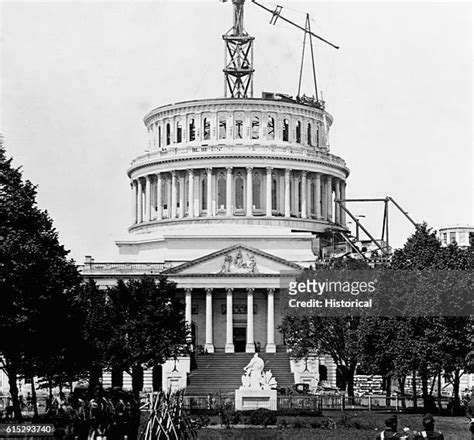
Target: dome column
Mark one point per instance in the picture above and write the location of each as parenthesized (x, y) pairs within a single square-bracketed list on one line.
[(173, 194), (287, 192), (228, 188), (317, 196), (209, 192), (140, 201), (249, 211), (133, 189), (268, 201), (329, 197), (304, 190), (191, 193), (337, 209), (343, 197), (159, 203), (147, 199), (182, 191)]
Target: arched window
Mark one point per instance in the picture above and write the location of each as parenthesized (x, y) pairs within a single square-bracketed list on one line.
[(179, 132), (270, 128), (168, 133), (204, 193), (286, 130), (312, 196), (317, 136), (192, 130), (239, 192), (323, 373), (239, 129), (257, 191), (309, 134), (206, 125), (221, 191), (178, 193), (222, 129), (255, 127), (298, 132), (274, 193), (159, 136)]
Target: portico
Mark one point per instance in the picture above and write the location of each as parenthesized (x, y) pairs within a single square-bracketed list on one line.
[(231, 294)]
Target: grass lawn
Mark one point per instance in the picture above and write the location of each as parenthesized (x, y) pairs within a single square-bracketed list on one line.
[(349, 425)]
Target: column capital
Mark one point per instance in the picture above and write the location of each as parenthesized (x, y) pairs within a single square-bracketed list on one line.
[(191, 171), (304, 173), (188, 291), (173, 173), (250, 291), (271, 291), (269, 169), (288, 171), (209, 169), (229, 290), (249, 169), (229, 169), (209, 290)]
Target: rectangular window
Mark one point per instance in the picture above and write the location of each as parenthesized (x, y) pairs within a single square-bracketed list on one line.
[(452, 237)]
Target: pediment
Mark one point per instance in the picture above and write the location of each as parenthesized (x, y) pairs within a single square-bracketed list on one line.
[(237, 260)]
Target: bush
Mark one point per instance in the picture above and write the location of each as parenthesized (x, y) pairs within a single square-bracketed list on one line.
[(263, 417)]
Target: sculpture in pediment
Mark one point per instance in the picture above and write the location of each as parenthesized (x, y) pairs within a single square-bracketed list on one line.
[(239, 264)]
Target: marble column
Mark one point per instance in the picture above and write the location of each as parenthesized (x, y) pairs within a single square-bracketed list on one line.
[(140, 201), (173, 202), (209, 346), (229, 339), (268, 201), (190, 193), (228, 188), (209, 192), (287, 192), (304, 201), (329, 197), (147, 199), (317, 196), (182, 192), (159, 202), (337, 209), (270, 347), (133, 188), (249, 210), (250, 347), (188, 310), (343, 197)]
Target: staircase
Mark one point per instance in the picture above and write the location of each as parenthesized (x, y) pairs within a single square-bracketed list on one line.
[(223, 371)]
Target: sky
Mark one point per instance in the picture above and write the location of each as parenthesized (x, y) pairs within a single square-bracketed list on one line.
[(78, 77)]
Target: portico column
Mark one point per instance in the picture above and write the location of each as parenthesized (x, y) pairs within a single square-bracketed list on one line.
[(249, 211), (270, 347), (337, 209), (317, 208), (228, 188), (190, 193), (229, 339), (329, 197), (268, 203), (250, 347), (304, 188), (147, 199), (159, 203), (140, 201), (188, 310), (173, 194), (343, 197), (209, 346), (209, 192), (287, 192)]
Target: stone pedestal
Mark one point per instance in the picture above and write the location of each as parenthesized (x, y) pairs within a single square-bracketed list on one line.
[(247, 399)]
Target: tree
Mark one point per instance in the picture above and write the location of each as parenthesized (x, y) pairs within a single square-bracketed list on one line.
[(148, 326), (36, 279)]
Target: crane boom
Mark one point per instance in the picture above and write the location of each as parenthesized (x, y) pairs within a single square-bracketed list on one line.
[(277, 14)]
